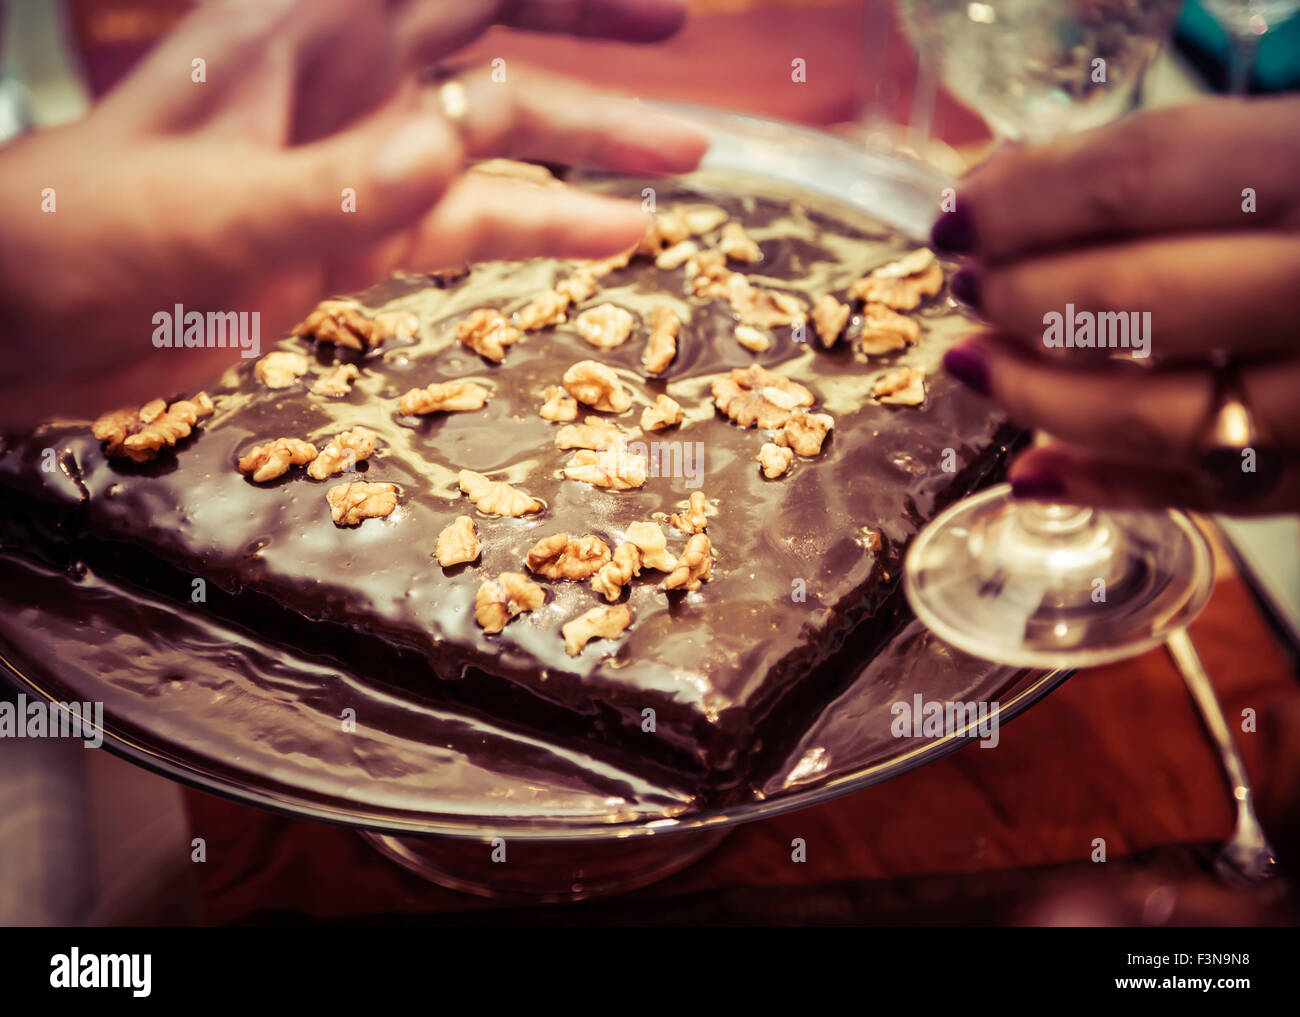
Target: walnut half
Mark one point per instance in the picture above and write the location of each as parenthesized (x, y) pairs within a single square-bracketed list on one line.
[(500, 599), (458, 543), (615, 467), (661, 346), (337, 381), (343, 452), (141, 434), (443, 396), (804, 432), (694, 567), (666, 412), (755, 395), (618, 572), (280, 369), (558, 405), (598, 623), (902, 284), (487, 332), (605, 326), (273, 459), (597, 386), (495, 497), (696, 516), (558, 557), (774, 459), (360, 500), (903, 387)]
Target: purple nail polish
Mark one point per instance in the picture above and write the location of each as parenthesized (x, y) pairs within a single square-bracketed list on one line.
[(965, 287), (969, 367), (1038, 485), (954, 232)]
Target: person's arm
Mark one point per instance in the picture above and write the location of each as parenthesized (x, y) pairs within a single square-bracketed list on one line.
[(1191, 215), (179, 191)]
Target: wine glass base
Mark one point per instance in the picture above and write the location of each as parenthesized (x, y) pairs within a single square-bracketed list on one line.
[(1038, 585), (546, 872)]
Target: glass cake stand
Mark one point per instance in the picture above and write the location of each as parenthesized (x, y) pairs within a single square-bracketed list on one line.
[(204, 704)]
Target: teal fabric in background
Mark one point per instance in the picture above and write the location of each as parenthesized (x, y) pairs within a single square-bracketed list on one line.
[(1205, 42)]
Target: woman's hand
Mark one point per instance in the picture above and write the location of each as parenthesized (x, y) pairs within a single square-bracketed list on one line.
[(229, 194), (1191, 214)]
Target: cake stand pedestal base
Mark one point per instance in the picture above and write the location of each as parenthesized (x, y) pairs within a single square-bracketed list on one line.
[(546, 871)]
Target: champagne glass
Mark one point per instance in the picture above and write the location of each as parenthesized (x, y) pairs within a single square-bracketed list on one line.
[(1027, 583), (1246, 22)]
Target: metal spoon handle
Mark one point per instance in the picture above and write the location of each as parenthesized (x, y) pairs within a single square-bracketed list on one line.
[(1248, 855)]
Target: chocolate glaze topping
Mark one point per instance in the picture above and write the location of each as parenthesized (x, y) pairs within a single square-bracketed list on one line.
[(794, 574)]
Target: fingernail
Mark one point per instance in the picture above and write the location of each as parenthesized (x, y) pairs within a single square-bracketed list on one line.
[(967, 365), (965, 287), (1038, 484), (954, 232), (413, 150)]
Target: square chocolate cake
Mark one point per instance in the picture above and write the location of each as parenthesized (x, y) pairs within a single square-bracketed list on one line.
[(654, 505)]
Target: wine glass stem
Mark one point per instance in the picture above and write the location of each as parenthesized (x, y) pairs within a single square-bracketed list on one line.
[(1241, 60)]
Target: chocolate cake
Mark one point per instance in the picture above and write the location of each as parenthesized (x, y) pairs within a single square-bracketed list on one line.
[(470, 487)]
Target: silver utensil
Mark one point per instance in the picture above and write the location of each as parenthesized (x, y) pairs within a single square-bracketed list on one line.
[(1247, 857)]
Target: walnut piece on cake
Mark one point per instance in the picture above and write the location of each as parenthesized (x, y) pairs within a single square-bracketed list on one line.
[(280, 369), (774, 459), (496, 497), (141, 434), (902, 284), (457, 543), (665, 412), (755, 395), (597, 386), (344, 323), (618, 571), (577, 287), (337, 381), (359, 500), (614, 467), (804, 432), (696, 517), (829, 317), (694, 566), (273, 459), (487, 332), (604, 326), (593, 433), (559, 557), (661, 346), (598, 623), (558, 405), (344, 451), (541, 312), (709, 275), (752, 339), (677, 255), (701, 219), (761, 307), (903, 387), (737, 245), (886, 331), (443, 397), (650, 541), (500, 599)]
